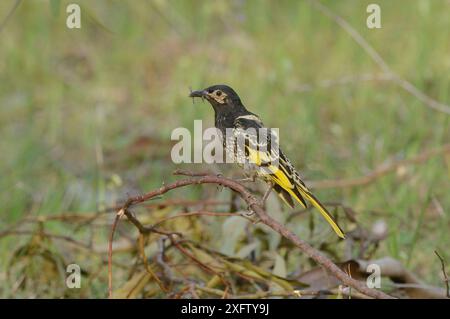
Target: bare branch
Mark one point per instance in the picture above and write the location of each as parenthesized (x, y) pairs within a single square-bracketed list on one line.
[(110, 242), (254, 204)]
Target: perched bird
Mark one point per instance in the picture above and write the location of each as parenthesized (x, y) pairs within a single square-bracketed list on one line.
[(260, 154)]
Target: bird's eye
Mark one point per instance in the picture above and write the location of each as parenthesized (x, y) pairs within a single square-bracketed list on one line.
[(218, 93)]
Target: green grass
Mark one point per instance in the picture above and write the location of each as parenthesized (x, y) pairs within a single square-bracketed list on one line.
[(72, 100)]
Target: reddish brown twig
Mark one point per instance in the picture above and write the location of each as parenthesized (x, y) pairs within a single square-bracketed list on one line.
[(199, 213), (186, 203), (196, 260), (48, 235), (110, 242), (141, 242), (142, 230), (255, 205)]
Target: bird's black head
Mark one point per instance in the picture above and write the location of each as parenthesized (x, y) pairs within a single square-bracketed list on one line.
[(222, 98)]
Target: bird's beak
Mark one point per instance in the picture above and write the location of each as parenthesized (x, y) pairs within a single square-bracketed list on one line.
[(199, 93)]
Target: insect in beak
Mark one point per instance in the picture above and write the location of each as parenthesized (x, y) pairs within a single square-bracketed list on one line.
[(199, 93)]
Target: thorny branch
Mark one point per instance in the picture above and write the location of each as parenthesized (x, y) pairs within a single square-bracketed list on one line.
[(254, 205)]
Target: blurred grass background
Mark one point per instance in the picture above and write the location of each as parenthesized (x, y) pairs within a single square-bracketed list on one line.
[(86, 115)]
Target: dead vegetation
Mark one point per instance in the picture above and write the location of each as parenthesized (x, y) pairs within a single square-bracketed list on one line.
[(172, 248), (209, 247)]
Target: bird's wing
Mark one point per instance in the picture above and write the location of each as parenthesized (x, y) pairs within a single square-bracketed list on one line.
[(262, 149), (287, 167)]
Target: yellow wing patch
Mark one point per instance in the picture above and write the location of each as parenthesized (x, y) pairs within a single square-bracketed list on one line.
[(276, 174), (294, 187), (256, 157), (282, 178)]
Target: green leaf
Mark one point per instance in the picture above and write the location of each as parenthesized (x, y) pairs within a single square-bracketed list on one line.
[(133, 287), (232, 231), (279, 268)]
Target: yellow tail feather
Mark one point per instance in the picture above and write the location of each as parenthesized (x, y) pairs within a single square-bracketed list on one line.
[(280, 178), (284, 195), (324, 213), (292, 193), (288, 189)]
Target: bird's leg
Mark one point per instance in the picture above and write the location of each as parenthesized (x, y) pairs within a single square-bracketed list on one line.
[(219, 186), (266, 194), (249, 212), (248, 178), (251, 215)]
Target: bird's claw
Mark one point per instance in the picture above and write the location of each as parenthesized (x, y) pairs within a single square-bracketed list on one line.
[(247, 179), (251, 215)]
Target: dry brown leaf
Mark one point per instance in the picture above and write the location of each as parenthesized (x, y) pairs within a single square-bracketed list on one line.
[(133, 287)]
